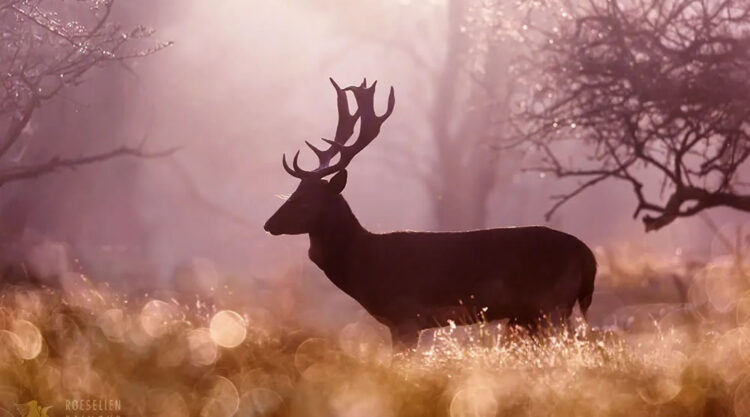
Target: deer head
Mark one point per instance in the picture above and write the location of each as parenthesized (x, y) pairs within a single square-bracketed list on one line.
[(315, 197)]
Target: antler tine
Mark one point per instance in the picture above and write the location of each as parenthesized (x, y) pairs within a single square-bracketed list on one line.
[(369, 128), (296, 170), (319, 152), (334, 145), (391, 104), (295, 164), (289, 170), (344, 127), (344, 130), (346, 121)]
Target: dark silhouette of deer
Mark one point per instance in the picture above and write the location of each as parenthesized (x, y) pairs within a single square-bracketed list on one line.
[(415, 280)]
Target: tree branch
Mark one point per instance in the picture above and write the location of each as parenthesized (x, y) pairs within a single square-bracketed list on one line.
[(57, 163), (638, 89)]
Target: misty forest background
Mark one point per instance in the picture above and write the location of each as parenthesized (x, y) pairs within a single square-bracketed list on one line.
[(140, 155), (224, 88)]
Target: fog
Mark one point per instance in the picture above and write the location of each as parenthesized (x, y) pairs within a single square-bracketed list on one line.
[(148, 281), (245, 82)]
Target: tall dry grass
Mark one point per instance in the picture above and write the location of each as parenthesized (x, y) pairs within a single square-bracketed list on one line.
[(162, 356)]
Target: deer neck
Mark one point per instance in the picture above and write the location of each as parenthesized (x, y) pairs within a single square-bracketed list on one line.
[(334, 242)]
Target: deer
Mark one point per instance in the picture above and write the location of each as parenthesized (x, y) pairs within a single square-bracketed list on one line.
[(411, 281)]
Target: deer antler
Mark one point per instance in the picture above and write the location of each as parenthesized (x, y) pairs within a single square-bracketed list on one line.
[(369, 128)]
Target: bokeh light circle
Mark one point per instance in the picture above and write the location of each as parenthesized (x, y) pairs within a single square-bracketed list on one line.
[(112, 323), (203, 350), (474, 401), (157, 316), (29, 340), (228, 329), (367, 343), (259, 402), (221, 400), (311, 351)]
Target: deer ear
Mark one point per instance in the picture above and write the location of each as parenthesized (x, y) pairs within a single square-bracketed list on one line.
[(338, 182)]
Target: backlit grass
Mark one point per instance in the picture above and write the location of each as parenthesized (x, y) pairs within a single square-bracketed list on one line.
[(159, 356)]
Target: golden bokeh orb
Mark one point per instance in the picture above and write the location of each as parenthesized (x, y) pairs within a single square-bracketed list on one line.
[(222, 399), (156, 317), (474, 401), (228, 329), (203, 350), (29, 340)]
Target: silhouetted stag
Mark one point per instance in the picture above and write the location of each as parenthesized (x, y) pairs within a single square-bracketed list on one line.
[(410, 280)]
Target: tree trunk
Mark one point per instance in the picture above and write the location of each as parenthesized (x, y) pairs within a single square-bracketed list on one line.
[(464, 128)]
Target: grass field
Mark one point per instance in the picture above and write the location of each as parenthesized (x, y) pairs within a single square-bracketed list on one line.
[(168, 357)]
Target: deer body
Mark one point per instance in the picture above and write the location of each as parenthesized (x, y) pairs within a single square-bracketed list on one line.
[(415, 280)]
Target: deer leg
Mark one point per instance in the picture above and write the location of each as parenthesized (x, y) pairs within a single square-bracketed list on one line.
[(531, 322), (560, 317)]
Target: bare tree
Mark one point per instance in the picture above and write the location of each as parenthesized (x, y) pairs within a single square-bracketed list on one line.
[(47, 47), (472, 88), (655, 93)]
